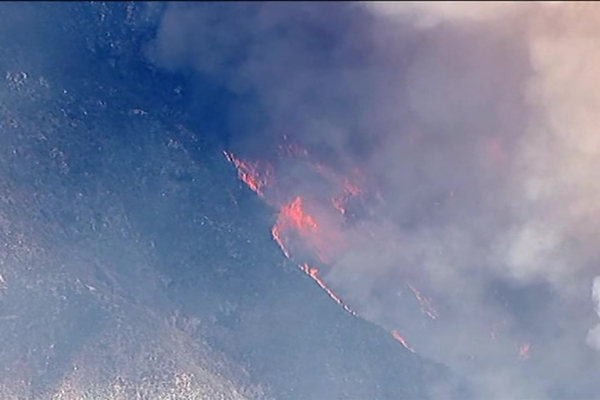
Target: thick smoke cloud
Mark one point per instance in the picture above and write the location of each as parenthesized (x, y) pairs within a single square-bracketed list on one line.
[(476, 123)]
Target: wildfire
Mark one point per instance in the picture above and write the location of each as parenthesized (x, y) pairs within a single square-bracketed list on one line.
[(250, 173), (276, 234), (294, 215), (294, 222), (424, 301), (305, 221), (396, 335), (314, 273), (293, 219)]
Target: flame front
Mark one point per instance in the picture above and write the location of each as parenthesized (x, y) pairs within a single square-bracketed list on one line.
[(313, 273), (396, 335), (293, 220), (293, 215), (300, 233), (250, 173)]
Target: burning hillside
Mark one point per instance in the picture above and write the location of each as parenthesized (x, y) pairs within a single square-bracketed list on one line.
[(435, 163), (302, 236)]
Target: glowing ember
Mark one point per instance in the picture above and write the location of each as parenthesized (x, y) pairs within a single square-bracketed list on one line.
[(396, 335), (425, 302), (250, 174), (313, 273), (524, 351)]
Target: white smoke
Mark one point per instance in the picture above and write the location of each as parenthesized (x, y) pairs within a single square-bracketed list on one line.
[(427, 14), (496, 103), (552, 180), (593, 338), (551, 192)]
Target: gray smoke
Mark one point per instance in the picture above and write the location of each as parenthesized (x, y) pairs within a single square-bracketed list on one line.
[(477, 122)]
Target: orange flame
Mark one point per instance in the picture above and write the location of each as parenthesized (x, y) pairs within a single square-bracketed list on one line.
[(396, 335), (313, 273), (250, 173), (294, 223), (293, 218), (275, 232), (425, 302)]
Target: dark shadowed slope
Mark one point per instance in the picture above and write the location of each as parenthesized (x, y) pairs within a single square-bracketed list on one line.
[(133, 263)]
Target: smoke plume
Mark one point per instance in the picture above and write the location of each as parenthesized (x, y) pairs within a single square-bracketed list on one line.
[(469, 131)]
